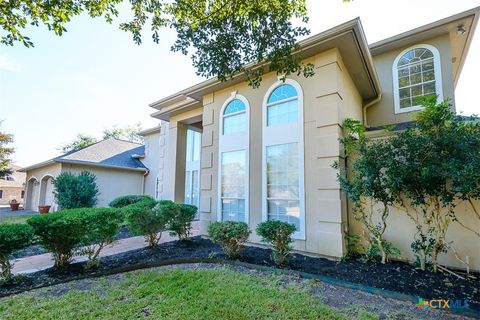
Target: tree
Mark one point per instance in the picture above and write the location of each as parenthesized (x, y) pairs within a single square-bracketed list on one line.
[(221, 35), (436, 168), (129, 133), (5, 153), (425, 171), (368, 186), (80, 142), (75, 191)]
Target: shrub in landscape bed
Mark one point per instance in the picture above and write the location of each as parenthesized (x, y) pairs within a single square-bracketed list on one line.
[(61, 233), (101, 227), (146, 218), (180, 218), (231, 235), (13, 237), (279, 235), (72, 191), (124, 201)]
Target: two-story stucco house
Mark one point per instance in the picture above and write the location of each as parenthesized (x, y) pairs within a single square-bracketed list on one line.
[(249, 154)]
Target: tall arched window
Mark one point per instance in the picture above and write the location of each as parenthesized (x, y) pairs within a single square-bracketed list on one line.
[(416, 73), (283, 155), (233, 160)]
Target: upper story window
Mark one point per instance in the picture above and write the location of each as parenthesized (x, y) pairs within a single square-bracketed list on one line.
[(234, 117), (416, 73), (282, 105)]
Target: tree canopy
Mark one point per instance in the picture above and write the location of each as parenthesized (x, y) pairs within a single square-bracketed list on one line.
[(5, 153), (221, 36)]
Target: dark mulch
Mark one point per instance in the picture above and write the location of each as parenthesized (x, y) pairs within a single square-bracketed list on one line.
[(394, 276), (36, 249)]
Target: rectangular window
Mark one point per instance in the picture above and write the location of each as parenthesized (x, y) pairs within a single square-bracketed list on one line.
[(1, 194), (233, 185), (282, 113), (22, 195), (283, 184), (234, 123)]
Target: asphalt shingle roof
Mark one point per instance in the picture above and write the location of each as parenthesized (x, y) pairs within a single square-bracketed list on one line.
[(109, 152)]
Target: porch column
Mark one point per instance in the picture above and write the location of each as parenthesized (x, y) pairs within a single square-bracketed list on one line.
[(174, 186)]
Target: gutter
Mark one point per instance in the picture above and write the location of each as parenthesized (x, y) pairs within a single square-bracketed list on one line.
[(93, 164), (369, 104), (143, 181)]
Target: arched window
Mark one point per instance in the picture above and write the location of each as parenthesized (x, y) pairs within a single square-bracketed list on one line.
[(233, 160), (234, 119), (283, 155), (416, 73), (282, 105)]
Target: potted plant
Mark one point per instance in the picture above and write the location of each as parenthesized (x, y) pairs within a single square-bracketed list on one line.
[(43, 209), (14, 204)]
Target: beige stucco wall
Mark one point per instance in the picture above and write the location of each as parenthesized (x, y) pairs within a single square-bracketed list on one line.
[(383, 113), (112, 183), (11, 193), (401, 230), (32, 197), (152, 154), (329, 96)]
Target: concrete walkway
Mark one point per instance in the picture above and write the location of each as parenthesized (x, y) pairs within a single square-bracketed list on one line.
[(45, 261), (6, 212)]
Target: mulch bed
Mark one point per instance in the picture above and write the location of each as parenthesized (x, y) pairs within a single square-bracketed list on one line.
[(394, 276)]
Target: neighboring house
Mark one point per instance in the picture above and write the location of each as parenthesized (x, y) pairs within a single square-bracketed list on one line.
[(12, 186), (267, 153), (115, 163)]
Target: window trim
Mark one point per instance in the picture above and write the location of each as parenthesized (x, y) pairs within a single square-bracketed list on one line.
[(234, 142), (275, 135), (438, 77)]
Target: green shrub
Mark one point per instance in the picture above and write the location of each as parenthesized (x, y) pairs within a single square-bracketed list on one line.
[(279, 235), (231, 236), (60, 232), (146, 218), (101, 225), (180, 218), (13, 237), (72, 191), (124, 201)]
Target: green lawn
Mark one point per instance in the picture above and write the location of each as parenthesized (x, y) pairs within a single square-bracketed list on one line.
[(15, 219), (175, 294)]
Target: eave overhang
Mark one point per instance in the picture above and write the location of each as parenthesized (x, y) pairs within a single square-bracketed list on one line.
[(348, 38)]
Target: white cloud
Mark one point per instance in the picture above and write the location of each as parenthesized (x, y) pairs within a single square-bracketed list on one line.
[(8, 64)]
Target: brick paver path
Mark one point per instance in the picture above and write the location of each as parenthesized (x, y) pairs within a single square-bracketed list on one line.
[(44, 261)]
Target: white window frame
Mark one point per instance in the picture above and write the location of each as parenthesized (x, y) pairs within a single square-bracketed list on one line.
[(283, 134), (234, 142), (437, 71)]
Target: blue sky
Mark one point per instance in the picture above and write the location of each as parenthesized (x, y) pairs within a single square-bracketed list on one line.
[(94, 76)]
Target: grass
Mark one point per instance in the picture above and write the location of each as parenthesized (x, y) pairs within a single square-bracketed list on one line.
[(175, 294), (14, 219)]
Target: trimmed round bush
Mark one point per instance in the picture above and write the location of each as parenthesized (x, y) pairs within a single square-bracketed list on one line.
[(13, 237), (124, 201), (231, 235), (279, 235), (102, 225), (147, 219), (61, 233), (180, 218)]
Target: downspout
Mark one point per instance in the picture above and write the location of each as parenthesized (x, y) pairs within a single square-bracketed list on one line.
[(143, 181), (365, 107)]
